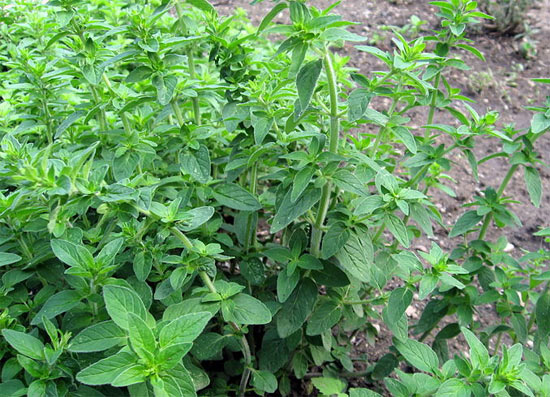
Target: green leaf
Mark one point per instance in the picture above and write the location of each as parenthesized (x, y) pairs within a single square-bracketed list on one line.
[(70, 120), (245, 309), (289, 210), (400, 299), (479, 355), (270, 15), (264, 381), (348, 182), (329, 386), (178, 382), (25, 344), (203, 5), (234, 196), (356, 256), (297, 308), (398, 229), (131, 376), (107, 370), (72, 254), (324, 317), (301, 181), (7, 258), (139, 74), (534, 185), (97, 337), (539, 123), (363, 393), (418, 354), (453, 388), (337, 34), (262, 126), (465, 223), (59, 303), (542, 313), (13, 388), (141, 337), (306, 80), (184, 329), (194, 218), (335, 239), (286, 284), (358, 102), (119, 301)]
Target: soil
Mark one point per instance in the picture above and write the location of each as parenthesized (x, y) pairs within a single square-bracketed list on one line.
[(502, 83)]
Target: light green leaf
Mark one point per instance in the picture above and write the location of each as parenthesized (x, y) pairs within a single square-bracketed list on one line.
[(7, 258), (25, 344), (119, 301), (348, 182), (479, 355), (301, 181), (356, 256), (72, 254), (335, 239), (534, 185), (59, 303), (245, 309), (264, 381), (418, 354), (141, 337), (234, 196), (465, 223), (184, 329), (358, 101), (289, 210), (400, 299), (398, 229), (97, 337), (105, 371)]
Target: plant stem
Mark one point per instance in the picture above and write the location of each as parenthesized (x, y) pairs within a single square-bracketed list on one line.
[(212, 288), (489, 216), (177, 112), (382, 131), (192, 74), (250, 235), (431, 114), (334, 134), (532, 318)]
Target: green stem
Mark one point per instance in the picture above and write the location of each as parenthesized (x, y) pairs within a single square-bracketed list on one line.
[(382, 131), (497, 344), (317, 232), (101, 115), (212, 288), (250, 235), (192, 74), (431, 114), (177, 112), (532, 318), (503, 185)]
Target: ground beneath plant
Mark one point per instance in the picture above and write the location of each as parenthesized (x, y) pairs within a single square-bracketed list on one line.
[(502, 83)]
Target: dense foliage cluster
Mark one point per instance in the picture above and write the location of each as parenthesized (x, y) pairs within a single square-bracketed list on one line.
[(187, 207)]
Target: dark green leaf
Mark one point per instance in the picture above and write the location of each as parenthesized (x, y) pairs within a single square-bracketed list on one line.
[(306, 81)]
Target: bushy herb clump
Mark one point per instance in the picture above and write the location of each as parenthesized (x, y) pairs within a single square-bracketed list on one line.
[(187, 208)]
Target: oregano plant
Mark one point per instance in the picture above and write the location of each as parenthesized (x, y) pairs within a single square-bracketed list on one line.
[(193, 205)]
